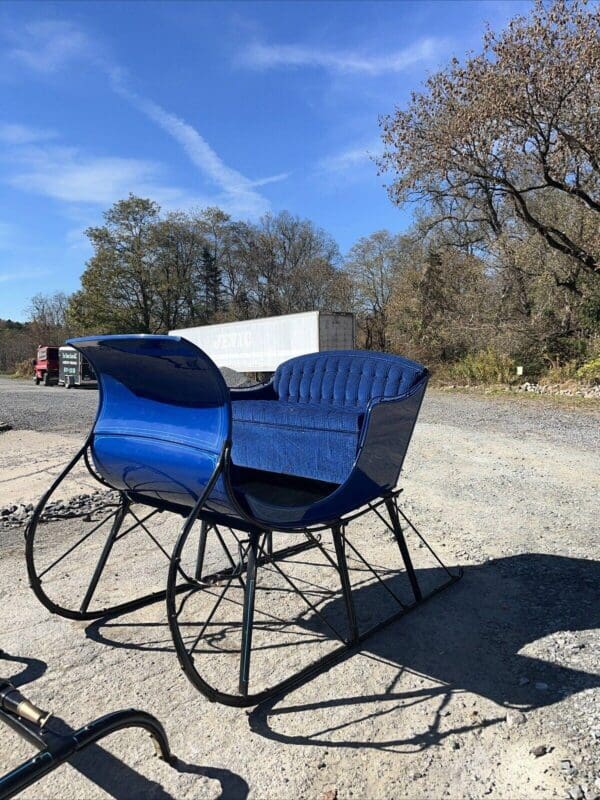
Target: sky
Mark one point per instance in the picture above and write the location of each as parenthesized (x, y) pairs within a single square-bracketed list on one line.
[(254, 107)]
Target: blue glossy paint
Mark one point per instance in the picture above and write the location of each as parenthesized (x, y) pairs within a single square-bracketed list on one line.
[(164, 415), (165, 419)]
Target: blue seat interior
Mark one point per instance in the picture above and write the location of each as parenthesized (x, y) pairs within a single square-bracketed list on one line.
[(308, 420)]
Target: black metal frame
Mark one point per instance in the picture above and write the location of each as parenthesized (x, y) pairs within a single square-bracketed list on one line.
[(253, 553), (57, 748)]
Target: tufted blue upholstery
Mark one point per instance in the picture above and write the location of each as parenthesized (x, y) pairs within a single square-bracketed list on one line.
[(314, 416), (345, 378), (312, 424)]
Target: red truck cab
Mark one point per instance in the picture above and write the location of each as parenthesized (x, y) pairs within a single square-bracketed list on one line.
[(45, 365)]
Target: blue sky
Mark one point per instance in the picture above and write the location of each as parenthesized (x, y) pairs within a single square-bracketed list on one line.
[(254, 107)]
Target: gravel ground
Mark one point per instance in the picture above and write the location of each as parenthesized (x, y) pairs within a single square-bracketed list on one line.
[(26, 406), (52, 408), (490, 690)]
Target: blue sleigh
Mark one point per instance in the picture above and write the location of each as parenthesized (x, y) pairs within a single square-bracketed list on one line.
[(319, 445)]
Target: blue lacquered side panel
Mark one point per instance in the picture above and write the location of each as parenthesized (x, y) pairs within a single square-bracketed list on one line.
[(164, 416), (158, 469)]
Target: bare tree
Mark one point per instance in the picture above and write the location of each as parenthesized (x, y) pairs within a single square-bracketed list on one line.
[(371, 265), (48, 320), (48, 311), (490, 140), (288, 265)]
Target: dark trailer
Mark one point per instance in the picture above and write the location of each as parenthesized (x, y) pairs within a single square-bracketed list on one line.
[(74, 369)]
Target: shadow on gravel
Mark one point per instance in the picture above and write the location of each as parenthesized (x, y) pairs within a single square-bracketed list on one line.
[(107, 771), (33, 669), (120, 781), (469, 638)]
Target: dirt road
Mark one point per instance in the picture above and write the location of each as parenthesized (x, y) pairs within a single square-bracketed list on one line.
[(449, 702)]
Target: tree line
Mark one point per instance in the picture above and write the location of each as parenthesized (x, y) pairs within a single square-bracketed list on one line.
[(152, 273), (499, 153)]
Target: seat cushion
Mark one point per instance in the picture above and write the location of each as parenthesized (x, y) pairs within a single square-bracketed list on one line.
[(298, 415), (310, 441)]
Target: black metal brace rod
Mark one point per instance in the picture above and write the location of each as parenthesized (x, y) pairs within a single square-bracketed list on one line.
[(56, 749), (339, 542), (108, 545), (374, 572), (398, 533), (250, 557), (202, 536), (208, 620), (77, 543), (422, 538), (311, 605)]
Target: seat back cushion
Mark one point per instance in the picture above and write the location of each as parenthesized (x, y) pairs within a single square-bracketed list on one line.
[(345, 378)]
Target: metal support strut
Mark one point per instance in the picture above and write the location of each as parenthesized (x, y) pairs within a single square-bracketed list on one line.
[(201, 550), (108, 545), (399, 534), (248, 618), (339, 542), (254, 555)]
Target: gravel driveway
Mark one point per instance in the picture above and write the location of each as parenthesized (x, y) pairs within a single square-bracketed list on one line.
[(52, 408), (490, 690)]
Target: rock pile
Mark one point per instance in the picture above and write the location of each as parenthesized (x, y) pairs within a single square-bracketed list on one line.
[(81, 505), (566, 390), (591, 392)]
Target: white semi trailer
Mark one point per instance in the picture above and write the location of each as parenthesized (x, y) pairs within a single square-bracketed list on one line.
[(260, 345)]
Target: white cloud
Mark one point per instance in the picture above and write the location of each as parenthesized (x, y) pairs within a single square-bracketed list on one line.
[(238, 190), (350, 159), (69, 175), (281, 176), (48, 45), (79, 179), (84, 182), (14, 133), (268, 56)]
